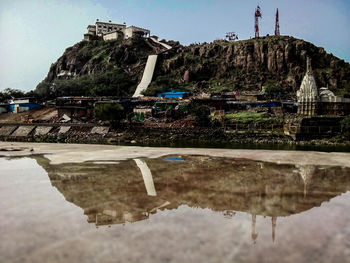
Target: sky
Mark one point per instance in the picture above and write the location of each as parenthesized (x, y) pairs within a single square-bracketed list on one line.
[(35, 33)]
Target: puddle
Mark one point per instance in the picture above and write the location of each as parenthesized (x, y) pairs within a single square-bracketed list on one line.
[(191, 208)]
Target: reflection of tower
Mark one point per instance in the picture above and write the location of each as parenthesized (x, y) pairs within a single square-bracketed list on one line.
[(147, 177), (254, 234), (306, 172), (273, 221)]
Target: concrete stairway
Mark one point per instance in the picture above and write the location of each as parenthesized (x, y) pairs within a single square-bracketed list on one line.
[(160, 43), (147, 76), (149, 70)]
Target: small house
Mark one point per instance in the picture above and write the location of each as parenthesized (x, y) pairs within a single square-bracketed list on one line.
[(23, 104)]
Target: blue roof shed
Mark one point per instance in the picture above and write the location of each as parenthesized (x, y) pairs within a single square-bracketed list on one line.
[(172, 94)]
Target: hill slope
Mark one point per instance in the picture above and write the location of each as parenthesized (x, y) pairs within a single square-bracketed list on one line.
[(115, 68)]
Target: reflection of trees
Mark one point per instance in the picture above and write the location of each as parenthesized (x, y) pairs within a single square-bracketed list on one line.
[(117, 193)]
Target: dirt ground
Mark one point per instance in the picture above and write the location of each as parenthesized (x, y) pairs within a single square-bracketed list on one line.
[(38, 115)]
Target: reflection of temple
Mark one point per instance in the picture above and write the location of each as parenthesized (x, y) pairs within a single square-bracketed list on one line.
[(306, 172), (131, 190)]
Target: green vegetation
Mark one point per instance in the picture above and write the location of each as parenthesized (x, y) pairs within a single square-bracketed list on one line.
[(162, 84), (9, 93), (201, 115), (345, 124), (111, 83), (247, 117), (113, 113), (272, 88)]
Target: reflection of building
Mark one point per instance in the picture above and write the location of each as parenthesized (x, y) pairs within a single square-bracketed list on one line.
[(113, 31), (306, 172), (119, 193), (254, 234)]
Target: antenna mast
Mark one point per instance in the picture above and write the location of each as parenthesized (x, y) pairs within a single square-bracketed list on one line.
[(277, 26), (257, 15)]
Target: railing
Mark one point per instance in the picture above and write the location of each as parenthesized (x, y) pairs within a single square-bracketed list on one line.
[(254, 127)]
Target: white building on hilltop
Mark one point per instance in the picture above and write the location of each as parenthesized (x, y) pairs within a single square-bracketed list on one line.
[(112, 31)]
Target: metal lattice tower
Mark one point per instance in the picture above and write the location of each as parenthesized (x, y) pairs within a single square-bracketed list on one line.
[(257, 15), (277, 26)]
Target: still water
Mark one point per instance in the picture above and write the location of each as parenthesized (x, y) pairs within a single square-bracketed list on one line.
[(173, 209)]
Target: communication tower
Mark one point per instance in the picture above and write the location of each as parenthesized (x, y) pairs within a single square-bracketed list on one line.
[(277, 26), (257, 15)]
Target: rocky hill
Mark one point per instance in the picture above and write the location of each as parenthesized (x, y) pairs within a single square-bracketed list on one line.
[(116, 67)]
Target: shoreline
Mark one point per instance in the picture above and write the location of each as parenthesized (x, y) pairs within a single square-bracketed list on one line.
[(158, 136), (79, 153)]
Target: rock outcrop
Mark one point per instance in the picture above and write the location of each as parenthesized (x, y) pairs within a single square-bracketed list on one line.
[(276, 62)]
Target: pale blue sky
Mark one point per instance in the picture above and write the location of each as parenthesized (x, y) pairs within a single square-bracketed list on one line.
[(34, 33)]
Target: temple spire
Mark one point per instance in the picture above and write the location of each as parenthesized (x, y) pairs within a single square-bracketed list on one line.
[(308, 65)]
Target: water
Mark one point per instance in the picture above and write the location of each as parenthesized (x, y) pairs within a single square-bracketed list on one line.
[(177, 209)]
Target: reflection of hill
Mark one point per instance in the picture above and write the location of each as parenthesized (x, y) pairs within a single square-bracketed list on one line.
[(116, 193)]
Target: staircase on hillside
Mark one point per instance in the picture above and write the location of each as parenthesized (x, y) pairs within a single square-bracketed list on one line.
[(149, 70)]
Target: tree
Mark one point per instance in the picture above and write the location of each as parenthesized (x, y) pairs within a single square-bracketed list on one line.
[(345, 124), (9, 93), (113, 113), (201, 114)]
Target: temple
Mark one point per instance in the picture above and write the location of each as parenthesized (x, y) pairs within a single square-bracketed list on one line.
[(308, 95), (319, 102)]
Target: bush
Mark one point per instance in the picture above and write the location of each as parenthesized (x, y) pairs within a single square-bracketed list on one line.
[(161, 84), (246, 117), (345, 124), (201, 114), (272, 88), (9, 93), (114, 82), (113, 113)]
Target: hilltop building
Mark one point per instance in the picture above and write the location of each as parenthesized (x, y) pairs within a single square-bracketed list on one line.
[(112, 31)]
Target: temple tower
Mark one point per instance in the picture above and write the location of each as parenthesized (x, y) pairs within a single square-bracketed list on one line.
[(307, 95)]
